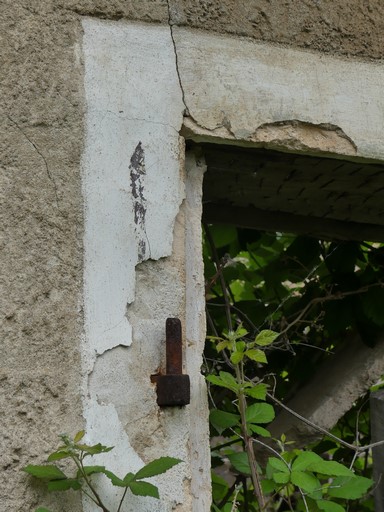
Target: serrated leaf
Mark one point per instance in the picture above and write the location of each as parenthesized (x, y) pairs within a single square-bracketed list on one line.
[(95, 449), (240, 462), (157, 467), (255, 354), (351, 488), (47, 472), (118, 482), (330, 468), (256, 429), (305, 481), (224, 380), (128, 478), (64, 485), (259, 413), (144, 489), (266, 337), (329, 506), (79, 436), (58, 455), (281, 478), (90, 470), (278, 464), (236, 357), (306, 459), (223, 345), (258, 391), (222, 420)]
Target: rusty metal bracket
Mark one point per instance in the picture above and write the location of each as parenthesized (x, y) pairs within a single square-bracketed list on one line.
[(173, 388)]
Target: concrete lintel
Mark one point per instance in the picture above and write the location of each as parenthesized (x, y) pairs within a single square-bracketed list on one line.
[(239, 90)]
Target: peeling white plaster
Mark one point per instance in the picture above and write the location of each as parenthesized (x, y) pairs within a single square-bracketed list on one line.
[(233, 86), (133, 97), (133, 188)]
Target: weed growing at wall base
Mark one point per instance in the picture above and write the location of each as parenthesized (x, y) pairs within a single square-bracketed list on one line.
[(73, 449)]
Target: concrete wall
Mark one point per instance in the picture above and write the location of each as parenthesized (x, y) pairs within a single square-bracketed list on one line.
[(48, 376)]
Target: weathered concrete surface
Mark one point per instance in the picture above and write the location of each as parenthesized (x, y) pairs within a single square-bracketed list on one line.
[(135, 269), (41, 222), (353, 28), (333, 390), (280, 98)]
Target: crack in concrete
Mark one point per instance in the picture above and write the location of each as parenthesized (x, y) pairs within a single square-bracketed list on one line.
[(38, 151)]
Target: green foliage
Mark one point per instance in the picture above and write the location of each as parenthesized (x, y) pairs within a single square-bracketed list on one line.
[(277, 306), (57, 480)]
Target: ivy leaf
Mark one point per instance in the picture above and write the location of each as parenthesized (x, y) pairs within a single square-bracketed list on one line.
[(259, 391), (259, 413), (144, 489), (64, 485), (255, 354), (351, 488), (305, 481), (222, 420), (156, 467), (329, 506), (266, 337), (47, 472)]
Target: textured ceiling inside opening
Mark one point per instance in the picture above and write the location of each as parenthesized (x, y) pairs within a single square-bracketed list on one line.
[(308, 186)]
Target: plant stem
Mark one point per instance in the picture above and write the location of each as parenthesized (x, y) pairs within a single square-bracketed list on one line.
[(248, 441), (122, 499), (97, 500)]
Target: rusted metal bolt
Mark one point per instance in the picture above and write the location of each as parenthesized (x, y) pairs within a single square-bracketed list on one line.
[(173, 388)]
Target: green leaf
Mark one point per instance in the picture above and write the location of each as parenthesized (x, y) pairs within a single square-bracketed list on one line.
[(372, 305), (61, 454), (222, 345), (281, 478), (306, 459), (268, 486), (329, 506), (156, 467), (64, 485), (128, 478), (90, 470), (266, 337), (95, 449), (278, 464), (42, 509), (351, 488), (48, 472), (330, 468), (144, 489), (255, 354), (240, 462), (222, 420), (256, 429), (224, 380), (236, 357), (118, 482), (79, 436), (305, 481), (258, 391), (259, 413)]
